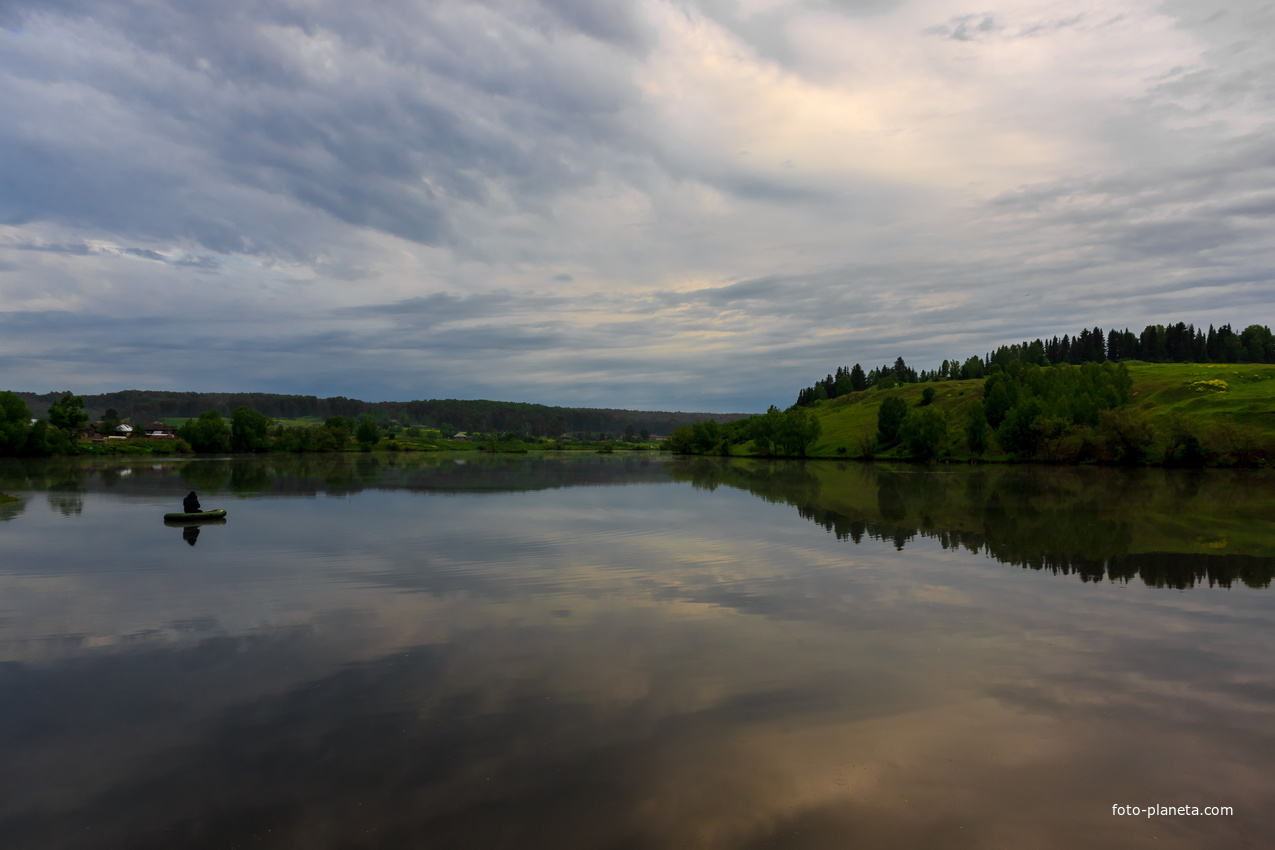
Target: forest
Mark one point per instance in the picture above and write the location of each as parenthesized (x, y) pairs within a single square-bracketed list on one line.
[(1179, 343)]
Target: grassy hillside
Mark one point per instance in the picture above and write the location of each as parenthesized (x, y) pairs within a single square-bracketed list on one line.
[(1236, 393), (849, 422), (1222, 403)]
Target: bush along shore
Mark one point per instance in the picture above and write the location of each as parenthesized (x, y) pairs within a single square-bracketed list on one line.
[(67, 431)]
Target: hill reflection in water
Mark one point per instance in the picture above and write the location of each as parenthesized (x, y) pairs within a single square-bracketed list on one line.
[(1170, 528)]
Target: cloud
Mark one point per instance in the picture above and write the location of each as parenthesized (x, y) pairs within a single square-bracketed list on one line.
[(390, 122), (966, 28), (650, 202)]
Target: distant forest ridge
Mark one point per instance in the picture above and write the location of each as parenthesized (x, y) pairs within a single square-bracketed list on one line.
[(1180, 343), (477, 415)]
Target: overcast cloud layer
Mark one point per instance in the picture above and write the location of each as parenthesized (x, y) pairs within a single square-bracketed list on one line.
[(659, 203)]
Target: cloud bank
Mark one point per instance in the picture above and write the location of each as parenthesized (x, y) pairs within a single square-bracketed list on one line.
[(658, 204)]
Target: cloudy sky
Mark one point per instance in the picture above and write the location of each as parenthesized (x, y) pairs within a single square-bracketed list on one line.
[(688, 204)]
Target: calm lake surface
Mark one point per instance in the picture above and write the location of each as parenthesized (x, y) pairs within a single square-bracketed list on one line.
[(631, 652)]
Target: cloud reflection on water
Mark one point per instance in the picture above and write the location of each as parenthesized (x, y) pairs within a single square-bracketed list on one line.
[(584, 667)]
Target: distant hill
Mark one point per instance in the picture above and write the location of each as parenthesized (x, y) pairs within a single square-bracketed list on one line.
[(1227, 406), (461, 414)]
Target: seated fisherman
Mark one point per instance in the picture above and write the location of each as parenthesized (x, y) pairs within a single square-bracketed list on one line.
[(190, 504)]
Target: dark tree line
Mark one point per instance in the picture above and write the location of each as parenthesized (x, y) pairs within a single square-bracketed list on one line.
[(481, 415), (1179, 343)]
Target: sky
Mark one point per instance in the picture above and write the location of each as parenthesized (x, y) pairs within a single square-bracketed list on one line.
[(654, 204)]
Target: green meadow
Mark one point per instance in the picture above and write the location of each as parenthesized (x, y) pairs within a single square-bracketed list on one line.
[(1207, 393)]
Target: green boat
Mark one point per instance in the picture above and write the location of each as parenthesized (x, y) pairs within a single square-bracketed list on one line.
[(197, 515)]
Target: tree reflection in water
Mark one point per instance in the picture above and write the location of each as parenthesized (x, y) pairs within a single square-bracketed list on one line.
[(1171, 528)]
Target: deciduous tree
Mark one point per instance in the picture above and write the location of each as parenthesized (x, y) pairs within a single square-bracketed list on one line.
[(68, 413), (248, 430), (15, 423), (208, 433), (800, 429), (890, 420), (924, 431), (1016, 434), (366, 433), (976, 430)]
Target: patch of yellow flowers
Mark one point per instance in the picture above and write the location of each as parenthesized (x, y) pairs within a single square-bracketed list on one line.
[(1216, 385)]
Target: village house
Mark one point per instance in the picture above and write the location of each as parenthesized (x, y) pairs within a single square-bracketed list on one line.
[(159, 429)]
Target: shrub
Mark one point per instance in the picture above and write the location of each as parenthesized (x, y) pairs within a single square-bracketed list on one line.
[(1242, 445), (1182, 446), (681, 440), (1127, 434)]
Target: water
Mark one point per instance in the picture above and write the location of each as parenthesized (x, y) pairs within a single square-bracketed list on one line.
[(602, 652)]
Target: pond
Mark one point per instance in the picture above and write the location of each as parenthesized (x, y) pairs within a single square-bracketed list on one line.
[(592, 651)]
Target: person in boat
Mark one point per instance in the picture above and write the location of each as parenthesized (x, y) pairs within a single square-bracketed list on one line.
[(190, 504)]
